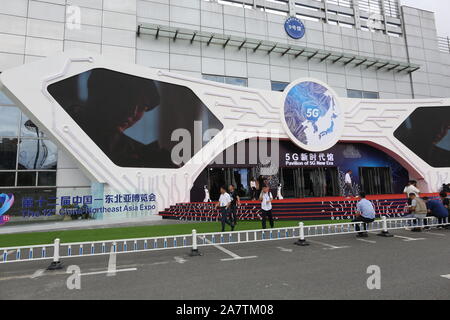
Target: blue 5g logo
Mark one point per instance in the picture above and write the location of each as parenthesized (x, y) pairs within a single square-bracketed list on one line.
[(312, 113)]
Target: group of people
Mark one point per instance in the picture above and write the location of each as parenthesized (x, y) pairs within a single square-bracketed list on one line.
[(255, 188), (229, 201), (423, 207), (419, 208)]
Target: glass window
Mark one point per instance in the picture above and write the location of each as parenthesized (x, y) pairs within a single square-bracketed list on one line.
[(9, 125), (7, 179), (4, 100), (242, 82), (357, 94), (46, 179), (279, 86), (371, 95), (26, 179), (8, 153), (214, 78), (32, 152), (236, 81), (37, 154), (29, 129)]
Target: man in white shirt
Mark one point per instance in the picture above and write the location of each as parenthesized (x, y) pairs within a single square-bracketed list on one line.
[(224, 207), (207, 197), (266, 206), (411, 188), (279, 194), (348, 184), (253, 188)]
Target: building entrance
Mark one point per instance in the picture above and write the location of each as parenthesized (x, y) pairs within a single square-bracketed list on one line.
[(218, 177), (309, 182), (376, 180)]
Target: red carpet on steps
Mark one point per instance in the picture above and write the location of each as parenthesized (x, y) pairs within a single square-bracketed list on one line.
[(329, 208)]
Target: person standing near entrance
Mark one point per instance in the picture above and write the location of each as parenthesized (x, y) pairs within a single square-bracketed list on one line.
[(411, 188), (279, 193), (348, 187), (224, 207), (235, 203), (266, 206), (261, 183), (253, 188), (366, 214), (207, 197)]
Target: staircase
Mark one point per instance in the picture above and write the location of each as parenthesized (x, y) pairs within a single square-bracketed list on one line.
[(333, 208)]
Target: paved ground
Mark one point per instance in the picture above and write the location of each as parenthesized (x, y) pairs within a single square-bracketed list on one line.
[(413, 266)]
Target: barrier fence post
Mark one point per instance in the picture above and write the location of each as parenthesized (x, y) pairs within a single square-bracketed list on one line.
[(302, 242), (385, 232), (194, 250), (56, 263)]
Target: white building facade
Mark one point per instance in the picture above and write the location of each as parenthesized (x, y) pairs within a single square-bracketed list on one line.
[(365, 49)]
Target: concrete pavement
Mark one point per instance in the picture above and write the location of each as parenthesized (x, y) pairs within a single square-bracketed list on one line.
[(413, 266)]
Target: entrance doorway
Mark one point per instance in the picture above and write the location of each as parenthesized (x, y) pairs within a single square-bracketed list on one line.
[(239, 177), (309, 182), (376, 180)]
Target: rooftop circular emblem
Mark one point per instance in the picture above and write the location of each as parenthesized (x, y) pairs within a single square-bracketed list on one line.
[(294, 28), (311, 115)]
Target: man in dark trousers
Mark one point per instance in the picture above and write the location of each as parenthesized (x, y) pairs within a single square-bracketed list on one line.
[(348, 186), (224, 207), (266, 206), (436, 208), (446, 203), (235, 203)]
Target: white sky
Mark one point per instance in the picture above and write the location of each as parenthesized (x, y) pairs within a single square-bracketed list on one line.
[(441, 8)]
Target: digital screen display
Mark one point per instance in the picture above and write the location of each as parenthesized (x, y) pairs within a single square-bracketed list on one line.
[(132, 119), (426, 133)]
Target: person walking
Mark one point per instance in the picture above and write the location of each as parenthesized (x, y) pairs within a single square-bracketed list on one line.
[(348, 186), (224, 207), (235, 203), (365, 213), (266, 206)]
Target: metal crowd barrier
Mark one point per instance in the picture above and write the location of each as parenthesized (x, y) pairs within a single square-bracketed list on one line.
[(58, 250)]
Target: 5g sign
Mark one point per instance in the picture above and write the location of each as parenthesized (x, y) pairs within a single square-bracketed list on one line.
[(312, 113), (293, 157)]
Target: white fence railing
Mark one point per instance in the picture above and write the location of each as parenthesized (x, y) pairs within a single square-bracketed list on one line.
[(57, 250)]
